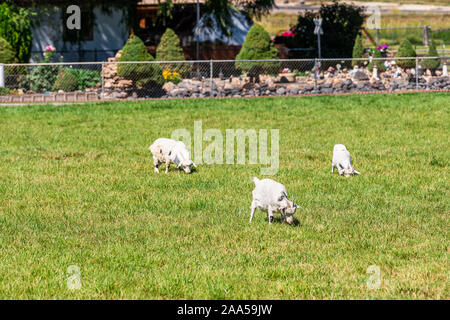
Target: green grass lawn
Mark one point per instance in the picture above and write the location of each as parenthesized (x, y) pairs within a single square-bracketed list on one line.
[(77, 187)]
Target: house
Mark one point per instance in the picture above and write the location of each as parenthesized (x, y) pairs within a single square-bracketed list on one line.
[(214, 44), (105, 26)]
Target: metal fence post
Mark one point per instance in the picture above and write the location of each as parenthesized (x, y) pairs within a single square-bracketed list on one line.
[(316, 67), (417, 74), (211, 78), (103, 82), (2, 75)]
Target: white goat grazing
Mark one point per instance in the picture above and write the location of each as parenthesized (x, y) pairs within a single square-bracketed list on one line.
[(342, 161), (168, 150), (271, 196)]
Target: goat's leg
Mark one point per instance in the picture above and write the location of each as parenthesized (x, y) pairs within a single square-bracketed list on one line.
[(253, 208), (270, 215), (332, 167), (156, 163), (167, 166)]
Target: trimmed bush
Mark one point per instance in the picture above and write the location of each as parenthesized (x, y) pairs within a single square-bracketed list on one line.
[(86, 78), (169, 49), (66, 81), (7, 54), (431, 64), (15, 27), (379, 63), (406, 50), (358, 52), (258, 46), (142, 75)]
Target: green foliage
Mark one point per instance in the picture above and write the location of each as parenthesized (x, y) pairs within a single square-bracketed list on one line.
[(167, 11), (66, 81), (406, 50), (7, 54), (444, 36), (41, 78), (169, 49), (358, 51), (341, 25), (379, 63), (258, 46), (146, 74), (431, 64), (15, 27), (86, 78), (4, 91)]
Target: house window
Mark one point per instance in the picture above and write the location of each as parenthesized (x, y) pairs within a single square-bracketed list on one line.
[(86, 33)]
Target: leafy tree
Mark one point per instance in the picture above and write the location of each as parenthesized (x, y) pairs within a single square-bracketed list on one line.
[(15, 27), (379, 63), (358, 51), (169, 49), (431, 64), (341, 24), (220, 8), (258, 46), (406, 50), (145, 75), (7, 54)]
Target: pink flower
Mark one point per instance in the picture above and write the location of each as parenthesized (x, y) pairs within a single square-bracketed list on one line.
[(288, 34), (50, 48)]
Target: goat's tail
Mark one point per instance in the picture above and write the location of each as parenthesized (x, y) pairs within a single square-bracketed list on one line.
[(255, 180)]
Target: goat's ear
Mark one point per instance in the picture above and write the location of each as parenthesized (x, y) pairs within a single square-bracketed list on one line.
[(355, 172), (194, 164)]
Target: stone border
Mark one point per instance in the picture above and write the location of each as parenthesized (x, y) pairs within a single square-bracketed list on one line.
[(51, 97), (252, 97)]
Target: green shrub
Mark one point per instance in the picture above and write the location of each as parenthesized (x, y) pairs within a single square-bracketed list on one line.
[(143, 75), (431, 64), (66, 81), (86, 78), (4, 91), (7, 54), (358, 52), (41, 78), (169, 49), (406, 50), (15, 27), (379, 63), (258, 46)]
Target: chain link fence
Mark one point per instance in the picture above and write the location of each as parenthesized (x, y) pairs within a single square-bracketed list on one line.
[(54, 82)]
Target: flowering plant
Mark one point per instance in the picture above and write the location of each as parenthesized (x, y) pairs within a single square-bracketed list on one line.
[(288, 34), (382, 47), (49, 52), (174, 76), (285, 70)]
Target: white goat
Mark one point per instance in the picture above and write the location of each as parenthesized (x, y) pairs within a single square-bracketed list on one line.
[(271, 196), (167, 151), (342, 161)]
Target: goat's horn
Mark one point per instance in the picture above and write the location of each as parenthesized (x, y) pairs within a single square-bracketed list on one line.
[(292, 199)]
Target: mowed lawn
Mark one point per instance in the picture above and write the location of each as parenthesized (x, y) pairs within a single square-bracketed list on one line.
[(77, 188)]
